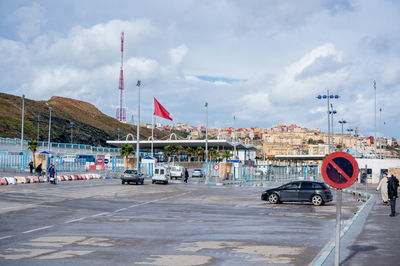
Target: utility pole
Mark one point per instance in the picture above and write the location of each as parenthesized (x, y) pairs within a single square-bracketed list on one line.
[(22, 122), (71, 126), (375, 120), (206, 106), (138, 130), (38, 121)]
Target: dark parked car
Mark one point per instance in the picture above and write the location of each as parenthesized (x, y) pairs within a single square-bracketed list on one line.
[(132, 176), (315, 192), (197, 173)]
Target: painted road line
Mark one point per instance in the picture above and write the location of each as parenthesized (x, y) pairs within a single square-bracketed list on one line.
[(75, 220), (38, 229), (152, 201), (5, 237), (99, 214), (120, 210)]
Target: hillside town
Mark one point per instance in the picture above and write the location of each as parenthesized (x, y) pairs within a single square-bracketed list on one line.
[(291, 139)]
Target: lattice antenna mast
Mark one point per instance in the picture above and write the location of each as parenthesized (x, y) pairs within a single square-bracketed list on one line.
[(121, 111)]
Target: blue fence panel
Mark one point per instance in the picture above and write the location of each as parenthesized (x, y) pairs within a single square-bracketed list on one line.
[(61, 165), (15, 161)]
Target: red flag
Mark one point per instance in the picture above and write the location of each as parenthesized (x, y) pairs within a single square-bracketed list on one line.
[(160, 111)]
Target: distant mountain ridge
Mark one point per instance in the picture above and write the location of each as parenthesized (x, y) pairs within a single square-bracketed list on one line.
[(91, 126)]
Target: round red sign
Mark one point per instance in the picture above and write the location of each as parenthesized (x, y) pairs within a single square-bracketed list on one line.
[(100, 161), (339, 170)]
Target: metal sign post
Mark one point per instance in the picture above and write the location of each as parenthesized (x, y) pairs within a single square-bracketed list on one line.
[(338, 220), (339, 170)]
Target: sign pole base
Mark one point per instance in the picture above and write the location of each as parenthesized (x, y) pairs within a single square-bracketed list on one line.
[(338, 219)]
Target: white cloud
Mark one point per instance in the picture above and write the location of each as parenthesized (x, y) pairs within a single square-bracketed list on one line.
[(31, 21)]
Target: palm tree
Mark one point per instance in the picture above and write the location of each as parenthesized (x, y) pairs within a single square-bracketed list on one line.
[(179, 149), (189, 152), (200, 151), (126, 150), (32, 145), (169, 150), (226, 155), (213, 153)]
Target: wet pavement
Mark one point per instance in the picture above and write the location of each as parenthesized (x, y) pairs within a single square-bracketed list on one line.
[(102, 222)]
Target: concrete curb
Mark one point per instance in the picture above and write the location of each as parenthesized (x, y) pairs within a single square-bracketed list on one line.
[(331, 245)]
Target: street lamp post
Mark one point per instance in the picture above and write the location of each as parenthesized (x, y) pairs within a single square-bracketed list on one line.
[(234, 138), (342, 122), (375, 119), (332, 112), (206, 106), (380, 139), (138, 130), (38, 121), (118, 132), (48, 139), (327, 97), (71, 126), (22, 122), (350, 130)]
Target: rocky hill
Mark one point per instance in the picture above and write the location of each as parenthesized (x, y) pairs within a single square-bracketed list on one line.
[(91, 126)]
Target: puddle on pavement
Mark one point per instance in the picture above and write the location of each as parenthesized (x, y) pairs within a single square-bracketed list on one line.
[(264, 253), (173, 260), (55, 242)]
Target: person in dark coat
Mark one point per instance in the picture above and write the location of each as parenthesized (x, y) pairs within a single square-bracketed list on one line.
[(186, 175), (38, 170), (31, 167), (52, 172), (393, 184)]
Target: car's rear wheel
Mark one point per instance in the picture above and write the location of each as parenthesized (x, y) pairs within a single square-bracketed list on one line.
[(142, 182), (317, 200), (153, 181), (273, 199), (123, 182)]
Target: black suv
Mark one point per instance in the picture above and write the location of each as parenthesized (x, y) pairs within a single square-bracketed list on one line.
[(315, 192)]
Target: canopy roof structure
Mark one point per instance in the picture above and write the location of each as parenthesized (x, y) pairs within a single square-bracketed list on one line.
[(221, 144)]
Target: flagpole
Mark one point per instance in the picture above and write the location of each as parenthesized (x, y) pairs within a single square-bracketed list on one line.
[(152, 133)]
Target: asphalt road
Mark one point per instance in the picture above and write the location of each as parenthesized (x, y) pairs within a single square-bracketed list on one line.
[(101, 222)]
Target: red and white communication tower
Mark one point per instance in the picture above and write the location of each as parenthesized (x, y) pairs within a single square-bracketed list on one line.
[(121, 111)]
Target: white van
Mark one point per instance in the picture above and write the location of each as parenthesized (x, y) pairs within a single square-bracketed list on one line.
[(177, 172), (160, 175)]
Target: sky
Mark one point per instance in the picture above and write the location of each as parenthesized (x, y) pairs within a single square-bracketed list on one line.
[(264, 62)]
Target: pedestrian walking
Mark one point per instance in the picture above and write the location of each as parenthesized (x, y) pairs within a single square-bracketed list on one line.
[(31, 167), (392, 185), (38, 170), (186, 175), (52, 172), (384, 189)]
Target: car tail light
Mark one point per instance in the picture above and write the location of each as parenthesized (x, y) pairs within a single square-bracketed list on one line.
[(326, 190)]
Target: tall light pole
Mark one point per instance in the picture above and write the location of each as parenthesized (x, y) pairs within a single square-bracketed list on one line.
[(380, 139), (22, 122), (138, 130), (327, 97), (206, 106), (342, 122), (375, 119), (48, 139), (234, 137), (118, 132), (38, 121), (332, 112), (71, 126), (350, 130)]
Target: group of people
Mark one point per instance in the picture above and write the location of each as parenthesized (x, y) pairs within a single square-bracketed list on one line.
[(39, 170), (388, 186)]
